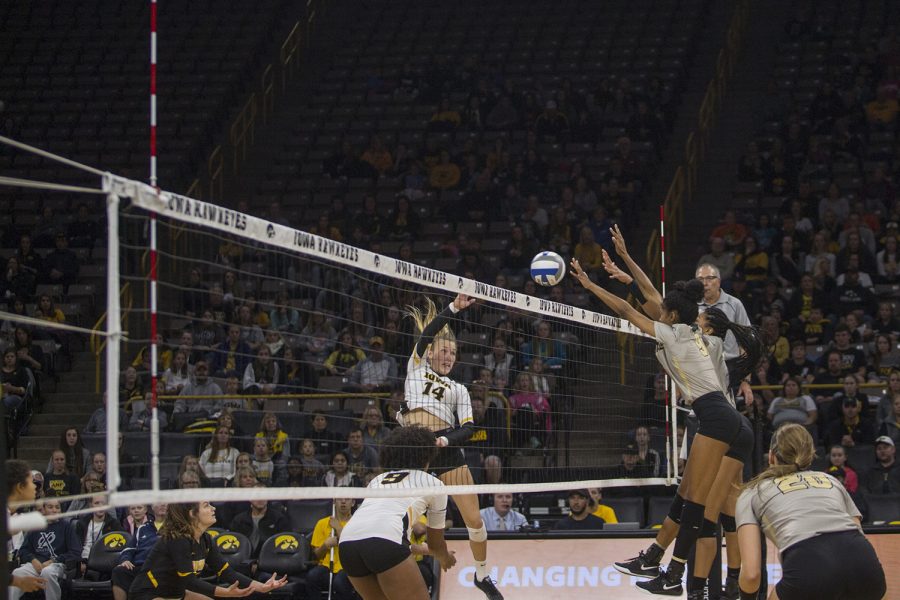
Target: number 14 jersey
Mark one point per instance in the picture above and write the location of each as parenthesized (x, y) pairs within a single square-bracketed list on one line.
[(436, 394)]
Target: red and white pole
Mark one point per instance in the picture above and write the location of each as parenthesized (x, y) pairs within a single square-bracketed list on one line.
[(154, 370), (671, 430)]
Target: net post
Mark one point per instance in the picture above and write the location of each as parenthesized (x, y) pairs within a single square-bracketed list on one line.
[(114, 333), (154, 414)]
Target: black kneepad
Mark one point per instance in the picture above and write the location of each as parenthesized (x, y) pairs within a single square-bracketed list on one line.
[(728, 523), (676, 508), (709, 529), (692, 516)]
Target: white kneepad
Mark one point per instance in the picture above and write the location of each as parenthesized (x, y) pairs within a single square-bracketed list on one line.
[(478, 535)]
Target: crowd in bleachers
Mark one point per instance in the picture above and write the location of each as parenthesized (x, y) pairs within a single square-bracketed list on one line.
[(809, 244)]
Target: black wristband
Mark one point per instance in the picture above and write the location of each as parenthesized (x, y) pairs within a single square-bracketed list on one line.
[(636, 292)]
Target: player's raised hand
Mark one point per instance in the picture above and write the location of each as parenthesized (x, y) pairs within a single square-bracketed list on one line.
[(614, 271), (462, 301), (579, 273), (618, 240)]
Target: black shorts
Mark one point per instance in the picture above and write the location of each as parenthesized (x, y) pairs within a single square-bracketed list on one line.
[(831, 566), (361, 558), (447, 458), (718, 419), (123, 578), (742, 447)]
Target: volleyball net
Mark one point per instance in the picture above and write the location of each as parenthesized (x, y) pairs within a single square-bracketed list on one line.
[(253, 317)]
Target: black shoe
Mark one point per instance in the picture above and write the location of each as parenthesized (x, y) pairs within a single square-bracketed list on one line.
[(697, 595), (638, 566), (662, 585), (488, 587), (732, 590)]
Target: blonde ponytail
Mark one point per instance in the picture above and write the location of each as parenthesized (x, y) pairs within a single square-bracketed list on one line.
[(422, 319), (794, 450)]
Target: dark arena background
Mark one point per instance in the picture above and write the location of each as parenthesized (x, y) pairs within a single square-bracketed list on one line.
[(215, 215)]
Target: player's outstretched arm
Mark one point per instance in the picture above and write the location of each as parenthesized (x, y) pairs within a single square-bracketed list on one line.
[(651, 294), (620, 306)]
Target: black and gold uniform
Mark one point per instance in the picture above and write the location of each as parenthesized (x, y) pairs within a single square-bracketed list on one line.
[(174, 567)]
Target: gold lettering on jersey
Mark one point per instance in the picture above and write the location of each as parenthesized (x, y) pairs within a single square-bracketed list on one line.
[(479, 436), (434, 378), (802, 481), (556, 308)]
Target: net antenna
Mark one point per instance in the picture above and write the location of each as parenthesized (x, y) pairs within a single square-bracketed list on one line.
[(671, 405)]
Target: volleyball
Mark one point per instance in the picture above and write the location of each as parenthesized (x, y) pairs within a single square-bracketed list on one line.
[(547, 268)]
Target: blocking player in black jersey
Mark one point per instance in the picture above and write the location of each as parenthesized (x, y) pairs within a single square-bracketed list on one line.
[(184, 548)]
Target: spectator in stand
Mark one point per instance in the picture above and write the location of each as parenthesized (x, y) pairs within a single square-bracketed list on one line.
[(885, 358), (163, 356), (814, 330), (47, 310), (278, 440), (201, 385), (888, 262), (403, 223), (885, 322), (232, 355), (97, 422), (856, 225), (600, 510), (890, 426), (804, 298), (263, 374), (312, 471), (378, 156), (259, 523), (647, 456), (345, 356), (83, 232), (328, 574), (45, 553), (778, 347), (78, 458), (852, 428), (251, 333), (373, 429), (488, 442), (792, 406), (284, 317), (14, 380), (193, 298), (60, 266), (837, 458), (579, 517), (854, 248), (851, 295), (884, 476), (362, 459), (261, 464), (798, 366), (551, 124), (318, 339), (27, 259), (531, 414), (91, 527), (552, 351), (881, 113), (786, 265), (731, 231), (752, 262), (818, 252), (719, 258), (520, 251), (325, 440), (190, 464), (501, 363), (218, 459), (178, 375), (835, 202), (588, 252), (377, 372), (142, 415), (58, 481), (853, 360), (752, 167), (17, 282), (500, 516), (340, 475)]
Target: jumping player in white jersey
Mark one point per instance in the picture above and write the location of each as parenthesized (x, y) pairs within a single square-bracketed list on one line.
[(374, 544), (720, 503), (814, 523), (436, 402), (683, 353)]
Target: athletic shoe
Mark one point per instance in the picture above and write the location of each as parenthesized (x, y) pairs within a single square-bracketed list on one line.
[(697, 595), (732, 590), (638, 566), (662, 585), (488, 587)]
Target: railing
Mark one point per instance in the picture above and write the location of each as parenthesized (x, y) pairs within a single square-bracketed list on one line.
[(681, 189), (243, 129), (98, 342)]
